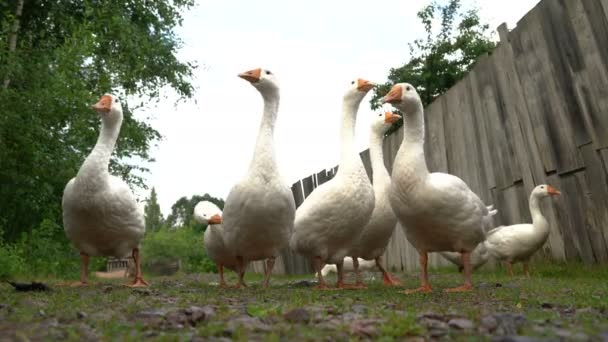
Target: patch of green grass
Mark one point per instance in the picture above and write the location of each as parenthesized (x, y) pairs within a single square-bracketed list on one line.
[(569, 297)]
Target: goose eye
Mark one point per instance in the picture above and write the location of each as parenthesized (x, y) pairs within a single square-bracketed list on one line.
[(353, 82), (115, 100), (408, 88), (380, 114), (268, 72)]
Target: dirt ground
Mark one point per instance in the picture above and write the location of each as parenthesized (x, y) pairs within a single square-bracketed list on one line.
[(568, 303)]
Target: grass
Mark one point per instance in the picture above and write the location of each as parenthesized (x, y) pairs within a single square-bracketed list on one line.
[(557, 300)]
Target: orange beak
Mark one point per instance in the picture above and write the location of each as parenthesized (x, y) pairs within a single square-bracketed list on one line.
[(215, 219), (104, 104), (393, 96), (363, 85), (390, 117), (553, 191), (251, 75)]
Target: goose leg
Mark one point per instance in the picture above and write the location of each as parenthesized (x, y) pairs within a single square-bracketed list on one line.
[(318, 264), (139, 280), (84, 270), (509, 268), (240, 270), (526, 269), (220, 270), (340, 284), (268, 271), (359, 284), (466, 264), (389, 279), (424, 276)]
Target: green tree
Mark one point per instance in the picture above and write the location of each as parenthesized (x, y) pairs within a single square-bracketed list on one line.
[(182, 211), (153, 215), (444, 56), (56, 59)]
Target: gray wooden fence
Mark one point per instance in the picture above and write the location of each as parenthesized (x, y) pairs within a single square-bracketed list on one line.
[(534, 111)]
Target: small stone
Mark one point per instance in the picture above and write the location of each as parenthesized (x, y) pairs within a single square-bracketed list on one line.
[(359, 308), (81, 315), (461, 323), (517, 338), (546, 305), (430, 315), (563, 333), (297, 316), (364, 328), (41, 313), (580, 336), (438, 332), (142, 292), (304, 283), (489, 323), (434, 324)]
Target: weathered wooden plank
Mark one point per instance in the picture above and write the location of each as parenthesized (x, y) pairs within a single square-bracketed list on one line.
[(567, 59), (435, 151), (555, 108), (485, 141), (454, 137), (521, 135), (494, 122), (529, 65), (307, 185), (597, 186), (560, 246), (591, 221), (322, 177), (591, 83), (298, 193), (604, 153), (571, 213), (575, 201), (367, 162)]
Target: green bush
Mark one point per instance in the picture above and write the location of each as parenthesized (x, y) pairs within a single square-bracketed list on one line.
[(11, 262), (47, 252), (184, 244)]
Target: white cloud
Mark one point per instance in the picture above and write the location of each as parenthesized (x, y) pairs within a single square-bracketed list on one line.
[(315, 48)]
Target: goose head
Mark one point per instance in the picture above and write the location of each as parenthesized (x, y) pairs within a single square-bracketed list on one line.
[(545, 190), (207, 212), (109, 108), (383, 121), (404, 97), (357, 89), (261, 79)]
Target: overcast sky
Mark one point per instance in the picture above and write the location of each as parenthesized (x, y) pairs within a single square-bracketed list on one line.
[(315, 48)]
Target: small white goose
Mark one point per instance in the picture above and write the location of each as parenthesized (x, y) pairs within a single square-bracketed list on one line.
[(348, 266), (372, 241), (333, 215), (208, 213), (259, 210), (438, 211), (518, 242), (100, 214)]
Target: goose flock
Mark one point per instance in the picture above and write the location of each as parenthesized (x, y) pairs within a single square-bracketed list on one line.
[(347, 220)]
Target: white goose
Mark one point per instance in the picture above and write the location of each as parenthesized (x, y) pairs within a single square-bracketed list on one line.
[(333, 215), (100, 214), (518, 242), (348, 266), (372, 241), (438, 211), (480, 254), (260, 209), (208, 213)]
